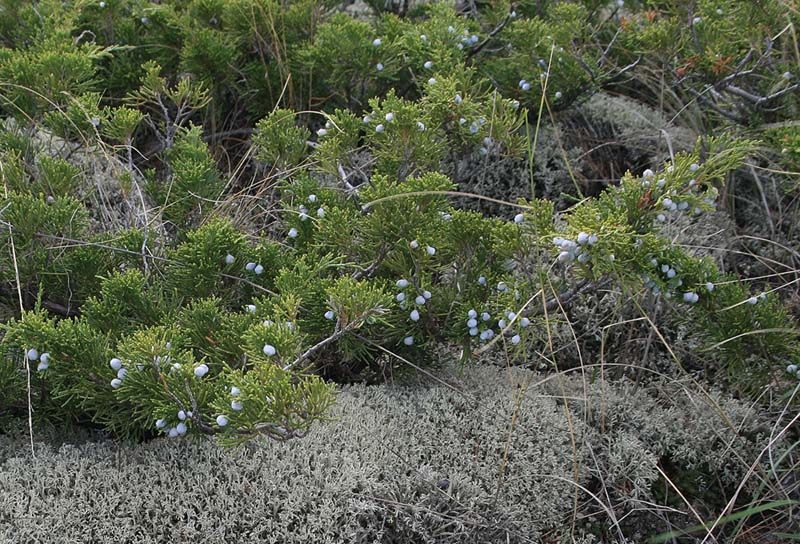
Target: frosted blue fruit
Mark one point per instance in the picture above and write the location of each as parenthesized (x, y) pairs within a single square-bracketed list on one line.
[(420, 299), (181, 415), (665, 268), (376, 42), (482, 280), (432, 81), (145, 20), (473, 331), (160, 424), (462, 121), (222, 420), (474, 128), (511, 316), (322, 132), (671, 273), (752, 300), (379, 128), (269, 350), (414, 315), (122, 373), (258, 269), (485, 316), (181, 428), (502, 323), (116, 383), (236, 405), (173, 433), (312, 198), (293, 232), (526, 86), (420, 126), (428, 65), (414, 244), (584, 258), (519, 218), (389, 117), (379, 67), (42, 366), (791, 369), (430, 250), (102, 4), (235, 391), (458, 99), (787, 75), (593, 238), (45, 358), (484, 336), (564, 256), (201, 370), (558, 95), (661, 217), (423, 37), (426, 295), (400, 297), (402, 283), (694, 167), (408, 340), (688, 297), (176, 366), (515, 339), (489, 333), (251, 308), (709, 286), (367, 119), (524, 322), (329, 315), (667, 203), (502, 286), (321, 212), (472, 314), (249, 266), (472, 323), (229, 259), (32, 354)]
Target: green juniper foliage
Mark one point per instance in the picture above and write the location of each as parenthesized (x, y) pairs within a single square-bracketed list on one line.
[(346, 254)]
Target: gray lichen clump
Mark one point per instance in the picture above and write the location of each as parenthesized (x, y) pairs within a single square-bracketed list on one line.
[(395, 464)]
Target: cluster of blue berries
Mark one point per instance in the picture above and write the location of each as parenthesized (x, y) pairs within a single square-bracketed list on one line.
[(575, 249), (483, 328), (793, 369), (44, 359), (422, 298), (178, 430), (672, 202)]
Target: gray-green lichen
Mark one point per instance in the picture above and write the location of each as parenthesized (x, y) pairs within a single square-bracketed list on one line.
[(396, 464)]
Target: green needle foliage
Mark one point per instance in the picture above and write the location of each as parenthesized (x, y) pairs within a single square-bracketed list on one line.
[(348, 255)]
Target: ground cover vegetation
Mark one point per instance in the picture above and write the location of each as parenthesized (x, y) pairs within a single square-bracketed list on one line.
[(220, 215)]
